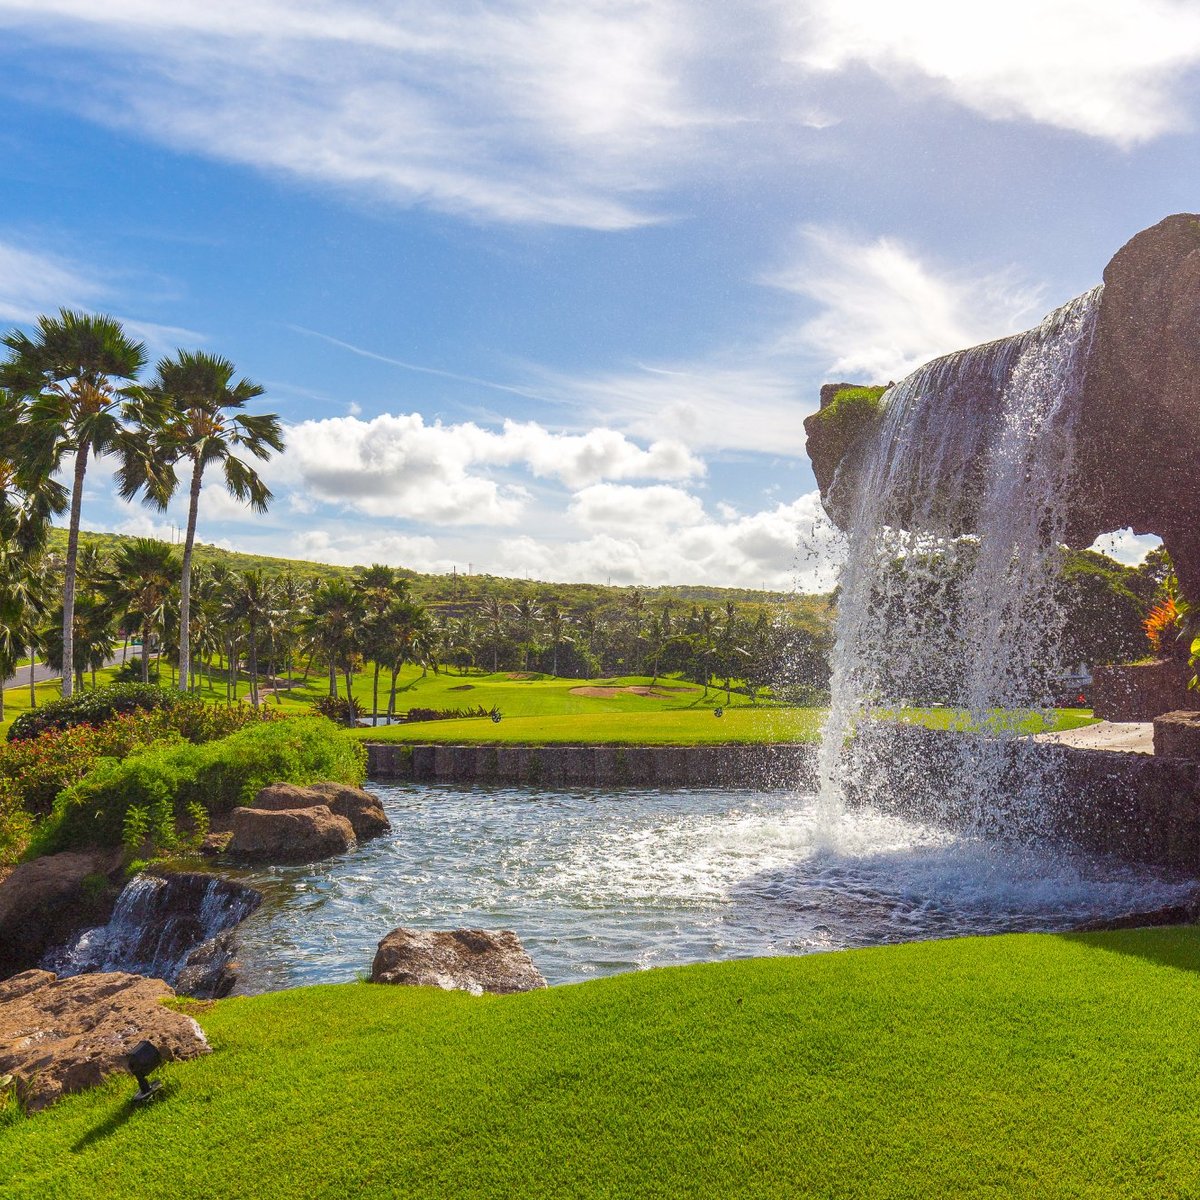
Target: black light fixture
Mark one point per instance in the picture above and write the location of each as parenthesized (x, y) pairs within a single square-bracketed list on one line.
[(143, 1059), (718, 712)]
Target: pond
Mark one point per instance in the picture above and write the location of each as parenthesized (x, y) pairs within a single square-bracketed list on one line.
[(595, 882)]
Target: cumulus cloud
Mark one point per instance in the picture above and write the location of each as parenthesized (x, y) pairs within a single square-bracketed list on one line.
[(1105, 68), (397, 465), (1126, 546)]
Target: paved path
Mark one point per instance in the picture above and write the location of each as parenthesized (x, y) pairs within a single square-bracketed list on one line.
[(42, 673), (1126, 737)]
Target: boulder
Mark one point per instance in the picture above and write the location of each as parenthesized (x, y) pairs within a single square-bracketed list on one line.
[(1177, 735), (62, 1035), (470, 960), (211, 969), (44, 901), (289, 835), (361, 808), (1135, 460)]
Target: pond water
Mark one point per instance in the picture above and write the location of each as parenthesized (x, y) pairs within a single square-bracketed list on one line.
[(596, 882)]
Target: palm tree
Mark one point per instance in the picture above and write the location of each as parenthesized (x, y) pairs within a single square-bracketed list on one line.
[(70, 370), (493, 615), (252, 604), (192, 411), (378, 588), (29, 498), (140, 586), (408, 625), (333, 623), (556, 629), (527, 616)]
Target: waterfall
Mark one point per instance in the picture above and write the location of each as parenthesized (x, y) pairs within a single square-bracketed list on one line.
[(158, 924), (949, 588)]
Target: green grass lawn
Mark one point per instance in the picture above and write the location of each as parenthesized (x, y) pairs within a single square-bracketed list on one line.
[(1017, 1066), (692, 727)]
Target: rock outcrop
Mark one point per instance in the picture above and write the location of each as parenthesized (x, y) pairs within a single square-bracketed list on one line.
[(1138, 435), (44, 901), (164, 923), (288, 835), (361, 808), (470, 960), (63, 1035), (1177, 735)]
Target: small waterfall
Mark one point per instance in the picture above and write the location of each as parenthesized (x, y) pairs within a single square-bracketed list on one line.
[(949, 588), (158, 924)]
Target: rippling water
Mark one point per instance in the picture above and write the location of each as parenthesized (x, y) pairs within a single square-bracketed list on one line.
[(595, 882)]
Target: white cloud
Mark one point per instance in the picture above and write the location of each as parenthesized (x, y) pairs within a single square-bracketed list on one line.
[(32, 283), (619, 506), (583, 114), (1106, 68), (1126, 546), (884, 311), (397, 465)]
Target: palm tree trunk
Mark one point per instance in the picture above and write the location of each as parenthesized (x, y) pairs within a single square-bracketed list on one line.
[(392, 697), (68, 645), (375, 697), (332, 678), (145, 653), (253, 668), (32, 679), (185, 581), (348, 671)]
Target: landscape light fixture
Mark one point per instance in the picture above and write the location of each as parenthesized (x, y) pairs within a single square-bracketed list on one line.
[(718, 712), (143, 1059), (496, 716)]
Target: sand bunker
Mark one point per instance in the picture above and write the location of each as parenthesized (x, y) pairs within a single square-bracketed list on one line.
[(607, 693)]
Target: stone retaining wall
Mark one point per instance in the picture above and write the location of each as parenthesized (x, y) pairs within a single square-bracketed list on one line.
[(1142, 691), (777, 766)]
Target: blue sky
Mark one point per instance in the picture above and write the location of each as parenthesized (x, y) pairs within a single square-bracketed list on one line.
[(549, 289)]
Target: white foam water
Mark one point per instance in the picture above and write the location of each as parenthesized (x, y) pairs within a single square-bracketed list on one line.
[(949, 591), (597, 882)]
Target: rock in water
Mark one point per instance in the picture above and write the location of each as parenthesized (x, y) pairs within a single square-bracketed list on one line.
[(44, 901), (361, 808), (289, 835), (59, 1036), (469, 960)]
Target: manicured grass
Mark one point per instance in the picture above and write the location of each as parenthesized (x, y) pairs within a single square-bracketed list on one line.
[(1018, 1066), (696, 726), (690, 728)]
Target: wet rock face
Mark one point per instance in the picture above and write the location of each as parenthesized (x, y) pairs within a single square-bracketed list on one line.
[(167, 925), (470, 960), (44, 901), (1138, 442), (59, 1036), (1139, 439)]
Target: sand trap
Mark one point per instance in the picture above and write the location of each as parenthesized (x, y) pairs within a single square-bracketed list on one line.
[(641, 689)]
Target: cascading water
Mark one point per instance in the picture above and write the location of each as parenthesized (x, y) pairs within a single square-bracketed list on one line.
[(158, 923), (949, 588)]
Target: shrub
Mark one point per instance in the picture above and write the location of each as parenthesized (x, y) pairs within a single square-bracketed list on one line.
[(167, 781), (16, 825), (451, 714), (344, 710), (91, 708)]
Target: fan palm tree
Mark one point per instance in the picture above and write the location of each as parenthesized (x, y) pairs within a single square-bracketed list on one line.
[(192, 412), (333, 623), (493, 614), (557, 629), (251, 605), (140, 586), (71, 371)]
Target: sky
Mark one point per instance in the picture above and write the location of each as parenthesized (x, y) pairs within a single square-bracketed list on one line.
[(547, 289)]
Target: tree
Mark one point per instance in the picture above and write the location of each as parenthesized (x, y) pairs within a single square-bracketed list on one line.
[(191, 412), (493, 615), (333, 623), (71, 372), (140, 587), (252, 604), (557, 629)]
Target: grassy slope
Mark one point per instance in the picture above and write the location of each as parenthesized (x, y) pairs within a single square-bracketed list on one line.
[(1019, 1066)]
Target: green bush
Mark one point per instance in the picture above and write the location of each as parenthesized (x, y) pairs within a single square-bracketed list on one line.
[(91, 708), (167, 782), (852, 415)]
